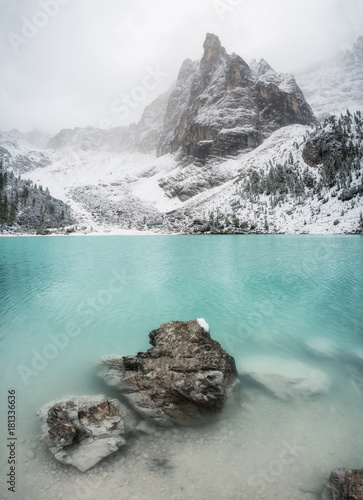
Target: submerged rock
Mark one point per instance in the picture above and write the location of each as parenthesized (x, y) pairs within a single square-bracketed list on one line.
[(184, 377), (81, 431), (345, 484), (322, 347), (284, 378)]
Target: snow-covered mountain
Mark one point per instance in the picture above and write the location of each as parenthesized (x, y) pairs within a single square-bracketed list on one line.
[(34, 137), (226, 106), (337, 85), (229, 148), (20, 155)]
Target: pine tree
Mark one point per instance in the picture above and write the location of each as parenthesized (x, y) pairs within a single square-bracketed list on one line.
[(4, 209), (12, 214)]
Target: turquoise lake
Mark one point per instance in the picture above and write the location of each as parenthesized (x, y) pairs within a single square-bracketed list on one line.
[(65, 301)]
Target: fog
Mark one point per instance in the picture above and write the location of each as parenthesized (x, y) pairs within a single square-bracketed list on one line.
[(68, 63)]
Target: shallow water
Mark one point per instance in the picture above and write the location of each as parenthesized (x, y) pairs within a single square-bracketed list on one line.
[(275, 299)]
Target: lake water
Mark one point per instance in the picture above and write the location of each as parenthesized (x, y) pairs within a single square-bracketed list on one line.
[(278, 304)]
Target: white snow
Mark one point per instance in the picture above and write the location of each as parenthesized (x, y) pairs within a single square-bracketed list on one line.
[(202, 322), (114, 179)]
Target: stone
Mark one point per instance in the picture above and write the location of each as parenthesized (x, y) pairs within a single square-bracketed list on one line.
[(184, 377), (83, 430), (345, 484), (284, 378)]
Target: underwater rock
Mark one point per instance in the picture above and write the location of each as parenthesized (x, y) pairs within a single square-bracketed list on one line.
[(284, 378), (185, 376), (321, 347), (81, 431), (345, 484)]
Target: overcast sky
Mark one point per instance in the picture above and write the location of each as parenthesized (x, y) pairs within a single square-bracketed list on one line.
[(68, 63)]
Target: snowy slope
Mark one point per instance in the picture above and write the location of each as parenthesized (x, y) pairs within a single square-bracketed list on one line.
[(337, 85), (142, 191), (313, 215)]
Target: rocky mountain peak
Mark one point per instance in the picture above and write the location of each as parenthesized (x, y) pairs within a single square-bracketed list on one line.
[(221, 106), (260, 68), (214, 53)]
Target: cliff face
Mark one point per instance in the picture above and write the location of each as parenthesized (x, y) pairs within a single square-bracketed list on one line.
[(222, 105)]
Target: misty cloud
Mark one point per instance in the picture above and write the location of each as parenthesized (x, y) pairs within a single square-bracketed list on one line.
[(83, 57)]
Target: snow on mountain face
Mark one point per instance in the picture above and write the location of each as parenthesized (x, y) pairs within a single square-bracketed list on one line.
[(225, 161), (20, 156), (144, 136), (337, 85), (230, 106), (177, 105), (34, 137), (276, 191)]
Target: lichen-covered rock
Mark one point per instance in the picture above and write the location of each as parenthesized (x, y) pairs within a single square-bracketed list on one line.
[(345, 484), (81, 431), (182, 378)]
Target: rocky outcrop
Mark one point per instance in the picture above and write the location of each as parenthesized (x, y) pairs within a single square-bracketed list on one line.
[(345, 484), (336, 148), (183, 378), (176, 107), (81, 431), (228, 106), (323, 149)]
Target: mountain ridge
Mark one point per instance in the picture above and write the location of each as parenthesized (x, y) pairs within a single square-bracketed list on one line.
[(221, 121)]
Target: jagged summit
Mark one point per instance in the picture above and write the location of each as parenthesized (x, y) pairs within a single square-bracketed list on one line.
[(214, 53), (224, 106)]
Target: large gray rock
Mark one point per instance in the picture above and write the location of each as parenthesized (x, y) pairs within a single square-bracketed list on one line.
[(81, 431), (344, 484), (184, 377)]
